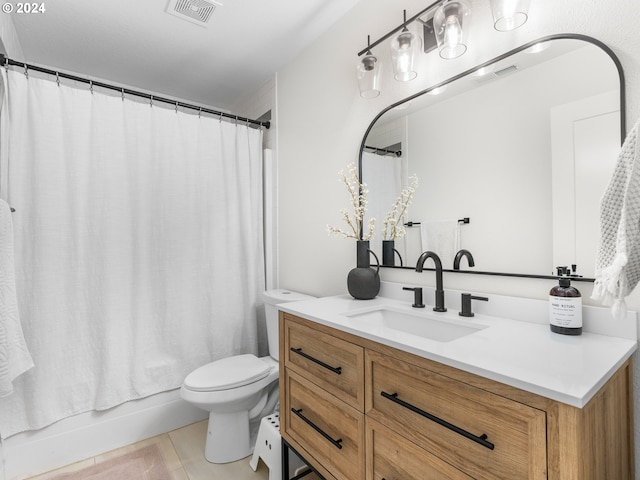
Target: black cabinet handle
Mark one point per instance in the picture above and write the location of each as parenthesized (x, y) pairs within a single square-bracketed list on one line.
[(299, 351), (335, 443), (482, 439)]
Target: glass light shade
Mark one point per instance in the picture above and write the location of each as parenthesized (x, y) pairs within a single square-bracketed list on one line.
[(368, 71), (403, 50), (448, 25), (509, 14)]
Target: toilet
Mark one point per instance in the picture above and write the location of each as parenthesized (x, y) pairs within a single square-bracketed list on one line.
[(237, 389)]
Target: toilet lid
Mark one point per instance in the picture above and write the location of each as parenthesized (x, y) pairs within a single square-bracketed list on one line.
[(227, 373)]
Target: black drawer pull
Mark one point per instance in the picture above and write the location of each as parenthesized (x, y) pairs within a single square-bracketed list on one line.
[(335, 443), (482, 439), (299, 351)]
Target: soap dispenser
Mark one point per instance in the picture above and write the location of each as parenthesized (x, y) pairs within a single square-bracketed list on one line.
[(565, 308)]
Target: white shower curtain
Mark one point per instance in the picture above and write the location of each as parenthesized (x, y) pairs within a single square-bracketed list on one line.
[(138, 245)]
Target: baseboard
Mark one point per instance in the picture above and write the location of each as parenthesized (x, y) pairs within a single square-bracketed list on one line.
[(93, 433)]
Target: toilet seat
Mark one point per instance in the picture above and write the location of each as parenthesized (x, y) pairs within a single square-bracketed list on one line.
[(227, 373)]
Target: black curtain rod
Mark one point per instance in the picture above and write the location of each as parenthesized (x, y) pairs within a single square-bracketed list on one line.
[(125, 91), (397, 153)]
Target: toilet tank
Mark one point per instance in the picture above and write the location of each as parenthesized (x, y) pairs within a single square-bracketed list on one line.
[(271, 299)]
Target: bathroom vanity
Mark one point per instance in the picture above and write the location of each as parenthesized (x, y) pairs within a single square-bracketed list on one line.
[(368, 393)]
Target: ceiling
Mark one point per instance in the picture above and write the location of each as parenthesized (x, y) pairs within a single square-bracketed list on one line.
[(136, 43)]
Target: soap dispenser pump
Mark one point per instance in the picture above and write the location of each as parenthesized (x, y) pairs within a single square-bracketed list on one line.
[(565, 308)]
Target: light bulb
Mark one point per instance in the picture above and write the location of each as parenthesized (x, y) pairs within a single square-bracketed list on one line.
[(368, 73), (448, 24), (403, 49), (452, 32)]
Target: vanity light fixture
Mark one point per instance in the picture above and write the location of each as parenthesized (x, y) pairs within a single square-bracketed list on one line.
[(509, 14), (368, 71), (445, 24), (403, 49), (448, 22)]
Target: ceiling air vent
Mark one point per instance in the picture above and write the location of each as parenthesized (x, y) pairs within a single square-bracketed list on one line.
[(194, 11), (482, 79), (506, 71)]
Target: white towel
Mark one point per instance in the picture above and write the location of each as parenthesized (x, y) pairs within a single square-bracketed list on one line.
[(15, 358), (443, 238), (618, 260)]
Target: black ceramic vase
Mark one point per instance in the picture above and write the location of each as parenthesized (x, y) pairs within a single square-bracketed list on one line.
[(363, 282)]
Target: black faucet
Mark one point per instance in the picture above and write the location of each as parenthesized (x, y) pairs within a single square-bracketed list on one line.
[(459, 255), (417, 296), (465, 311), (439, 290)]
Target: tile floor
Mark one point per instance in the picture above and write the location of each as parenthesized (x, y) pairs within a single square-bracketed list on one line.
[(183, 452)]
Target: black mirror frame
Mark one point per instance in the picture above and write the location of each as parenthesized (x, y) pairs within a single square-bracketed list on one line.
[(562, 36)]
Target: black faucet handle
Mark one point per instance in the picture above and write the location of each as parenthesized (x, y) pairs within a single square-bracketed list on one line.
[(465, 310), (417, 296)]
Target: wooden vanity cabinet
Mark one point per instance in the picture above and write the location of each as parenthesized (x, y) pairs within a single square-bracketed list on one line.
[(397, 416)]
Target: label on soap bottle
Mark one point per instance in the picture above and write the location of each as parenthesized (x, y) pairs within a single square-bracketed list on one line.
[(565, 311)]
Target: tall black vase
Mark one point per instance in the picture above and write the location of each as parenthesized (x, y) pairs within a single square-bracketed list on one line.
[(389, 253), (363, 282)]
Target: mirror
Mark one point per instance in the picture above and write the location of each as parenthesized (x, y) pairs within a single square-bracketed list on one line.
[(512, 158)]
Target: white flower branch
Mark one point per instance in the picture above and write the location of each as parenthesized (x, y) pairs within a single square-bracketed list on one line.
[(358, 194), (394, 221)]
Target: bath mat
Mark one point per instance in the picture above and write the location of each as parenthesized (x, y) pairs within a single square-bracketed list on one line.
[(146, 463)]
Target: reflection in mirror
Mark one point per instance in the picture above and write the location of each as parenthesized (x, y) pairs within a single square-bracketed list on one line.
[(522, 148)]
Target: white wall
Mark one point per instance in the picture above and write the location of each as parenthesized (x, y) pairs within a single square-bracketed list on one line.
[(9, 42), (322, 120)]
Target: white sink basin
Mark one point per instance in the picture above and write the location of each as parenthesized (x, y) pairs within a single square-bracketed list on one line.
[(421, 323)]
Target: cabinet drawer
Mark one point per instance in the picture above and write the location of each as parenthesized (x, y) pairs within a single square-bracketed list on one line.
[(392, 457), (325, 427), (332, 363), (484, 435)]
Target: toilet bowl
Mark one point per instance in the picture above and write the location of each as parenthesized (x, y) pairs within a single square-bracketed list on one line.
[(235, 390)]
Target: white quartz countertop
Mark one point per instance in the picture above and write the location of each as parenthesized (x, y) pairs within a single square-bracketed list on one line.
[(525, 355)]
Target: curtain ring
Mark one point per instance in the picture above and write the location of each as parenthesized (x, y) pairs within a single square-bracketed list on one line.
[(151, 101), (6, 63), (176, 106), (220, 117), (236, 120), (26, 71), (58, 78), (91, 86), (123, 94), (200, 113)]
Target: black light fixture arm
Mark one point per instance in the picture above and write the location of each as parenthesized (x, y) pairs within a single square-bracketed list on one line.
[(7, 61), (399, 27)]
